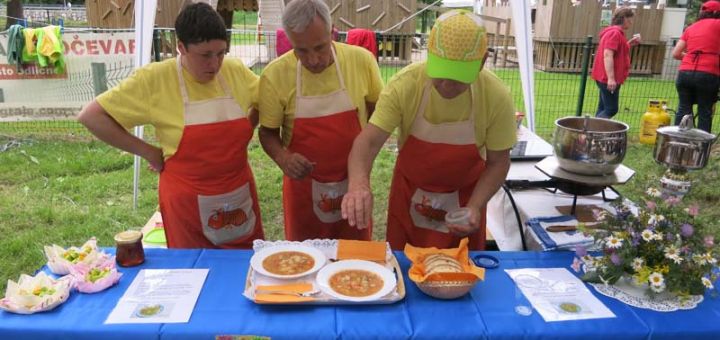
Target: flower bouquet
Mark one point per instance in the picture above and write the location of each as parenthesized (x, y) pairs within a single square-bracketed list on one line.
[(663, 247)]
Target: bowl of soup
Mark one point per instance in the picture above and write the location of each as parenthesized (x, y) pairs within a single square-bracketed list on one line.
[(356, 280), (287, 261)]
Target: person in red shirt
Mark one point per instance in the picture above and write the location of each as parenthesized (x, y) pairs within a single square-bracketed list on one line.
[(612, 61), (698, 77)]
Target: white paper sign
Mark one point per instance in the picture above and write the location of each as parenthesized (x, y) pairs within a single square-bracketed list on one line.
[(159, 296), (558, 295)]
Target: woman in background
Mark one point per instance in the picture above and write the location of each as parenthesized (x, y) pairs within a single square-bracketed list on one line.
[(698, 78)]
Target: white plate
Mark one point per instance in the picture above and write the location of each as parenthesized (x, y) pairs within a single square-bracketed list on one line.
[(257, 260), (323, 279)]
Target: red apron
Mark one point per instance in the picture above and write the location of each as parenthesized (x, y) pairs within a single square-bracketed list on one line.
[(207, 190), (436, 171), (324, 129)]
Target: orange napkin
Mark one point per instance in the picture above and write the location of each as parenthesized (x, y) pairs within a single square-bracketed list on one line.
[(461, 253), (290, 287), (361, 250), (264, 294), (281, 298)]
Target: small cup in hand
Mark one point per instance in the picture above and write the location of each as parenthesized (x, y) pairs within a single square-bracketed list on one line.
[(459, 217)]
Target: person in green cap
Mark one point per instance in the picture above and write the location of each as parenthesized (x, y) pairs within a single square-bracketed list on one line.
[(456, 127)]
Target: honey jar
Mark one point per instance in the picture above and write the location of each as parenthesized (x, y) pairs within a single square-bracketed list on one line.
[(129, 249)]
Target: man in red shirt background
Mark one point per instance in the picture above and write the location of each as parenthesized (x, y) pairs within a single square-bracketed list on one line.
[(612, 61)]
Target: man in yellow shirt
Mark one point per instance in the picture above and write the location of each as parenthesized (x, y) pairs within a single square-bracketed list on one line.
[(449, 112), (313, 103), (202, 112)]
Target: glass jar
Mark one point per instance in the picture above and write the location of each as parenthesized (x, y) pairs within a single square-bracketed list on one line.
[(129, 249)]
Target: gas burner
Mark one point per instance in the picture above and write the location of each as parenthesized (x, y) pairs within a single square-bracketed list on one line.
[(572, 183), (551, 167)]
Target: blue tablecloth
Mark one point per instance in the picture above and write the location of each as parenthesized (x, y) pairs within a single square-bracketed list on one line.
[(487, 312)]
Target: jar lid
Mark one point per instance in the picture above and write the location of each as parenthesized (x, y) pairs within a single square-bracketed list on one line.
[(128, 236), (686, 131)]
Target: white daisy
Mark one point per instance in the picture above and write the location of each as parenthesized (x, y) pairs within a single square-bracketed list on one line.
[(671, 252), (656, 279), (658, 236), (655, 219), (613, 242), (652, 192), (658, 289), (647, 235), (708, 257), (707, 283), (637, 264), (699, 259)]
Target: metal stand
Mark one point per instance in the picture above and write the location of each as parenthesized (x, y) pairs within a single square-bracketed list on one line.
[(605, 199), (517, 216)]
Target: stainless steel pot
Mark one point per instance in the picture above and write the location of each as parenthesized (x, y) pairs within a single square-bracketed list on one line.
[(682, 146), (589, 146)]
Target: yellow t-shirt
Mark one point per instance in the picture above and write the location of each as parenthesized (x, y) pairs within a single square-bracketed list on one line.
[(151, 95), (494, 110), (278, 85)]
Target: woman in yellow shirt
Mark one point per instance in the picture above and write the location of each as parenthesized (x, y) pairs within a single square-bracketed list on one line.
[(202, 111)]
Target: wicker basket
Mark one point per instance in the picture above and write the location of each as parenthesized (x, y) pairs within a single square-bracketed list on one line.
[(446, 289)]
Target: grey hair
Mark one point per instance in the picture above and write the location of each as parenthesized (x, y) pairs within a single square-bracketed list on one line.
[(298, 14)]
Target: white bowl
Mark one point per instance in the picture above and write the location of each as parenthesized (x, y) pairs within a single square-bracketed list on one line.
[(256, 262), (324, 275)]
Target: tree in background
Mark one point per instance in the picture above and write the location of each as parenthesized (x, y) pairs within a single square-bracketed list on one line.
[(14, 12), (693, 9)]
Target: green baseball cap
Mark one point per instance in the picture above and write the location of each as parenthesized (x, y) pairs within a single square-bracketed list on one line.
[(457, 46)]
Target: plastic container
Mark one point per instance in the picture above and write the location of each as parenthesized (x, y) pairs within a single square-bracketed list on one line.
[(459, 216), (655, 118), (519, 116), (129, 249)]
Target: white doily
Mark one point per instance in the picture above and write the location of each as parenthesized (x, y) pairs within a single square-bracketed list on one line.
[(635, 296)]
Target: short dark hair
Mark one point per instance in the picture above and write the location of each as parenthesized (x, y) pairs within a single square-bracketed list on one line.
[(198, 23), (708, 15), (620, 15)]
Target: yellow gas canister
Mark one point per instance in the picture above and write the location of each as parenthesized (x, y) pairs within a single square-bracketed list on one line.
[(655, 118)]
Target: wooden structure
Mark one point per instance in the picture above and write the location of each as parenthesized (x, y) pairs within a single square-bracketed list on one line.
[(120, 13), (561, 28), (374, 15), (379, 15)]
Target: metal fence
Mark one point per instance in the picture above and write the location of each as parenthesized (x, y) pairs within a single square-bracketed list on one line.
[(557, 93)]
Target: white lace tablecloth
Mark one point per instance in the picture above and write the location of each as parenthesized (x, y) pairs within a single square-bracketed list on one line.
[(636, 297)]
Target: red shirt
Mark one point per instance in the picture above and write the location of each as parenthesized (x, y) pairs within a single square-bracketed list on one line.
[(612, 38), (703, 47)]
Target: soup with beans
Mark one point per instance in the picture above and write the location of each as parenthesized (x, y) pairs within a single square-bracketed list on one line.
[(356, 283), (288, 263)]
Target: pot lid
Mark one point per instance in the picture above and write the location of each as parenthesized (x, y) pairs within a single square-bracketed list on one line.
[(686, 131)]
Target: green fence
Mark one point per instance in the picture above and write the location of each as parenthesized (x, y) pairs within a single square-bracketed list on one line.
[(556, 93)]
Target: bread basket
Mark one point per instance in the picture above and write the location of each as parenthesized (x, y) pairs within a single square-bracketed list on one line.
[(443, 273), (446, 289)]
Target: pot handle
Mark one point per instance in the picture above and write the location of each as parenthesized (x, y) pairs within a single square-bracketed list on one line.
[(687, 122), (611, 139), (684, 145)]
